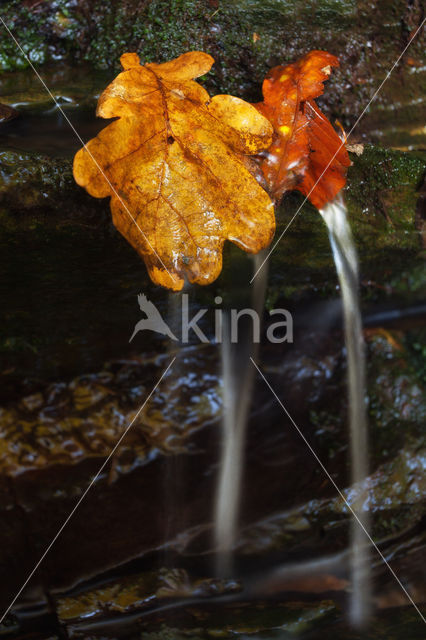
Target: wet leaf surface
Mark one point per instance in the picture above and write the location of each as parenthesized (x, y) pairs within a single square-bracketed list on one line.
[(174, 165), (305, 146)]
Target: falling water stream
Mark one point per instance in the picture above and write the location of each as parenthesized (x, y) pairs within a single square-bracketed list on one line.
[(237, 390), (345, 258), (238, 377), (173, 479)]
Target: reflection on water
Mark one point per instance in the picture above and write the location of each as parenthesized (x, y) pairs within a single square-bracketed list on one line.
[(48, 132)]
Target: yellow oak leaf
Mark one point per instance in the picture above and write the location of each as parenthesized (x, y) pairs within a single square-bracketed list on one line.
[(175, 165)]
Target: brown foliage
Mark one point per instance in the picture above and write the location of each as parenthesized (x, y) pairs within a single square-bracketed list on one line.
[(174, 163), (184, 170), (304, 141)]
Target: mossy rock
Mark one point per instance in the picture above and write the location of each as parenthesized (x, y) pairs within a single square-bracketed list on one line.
[(38, 195), (246, 38), (382, 194)]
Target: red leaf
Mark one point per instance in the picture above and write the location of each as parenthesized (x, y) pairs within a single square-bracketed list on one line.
[(304, 141)]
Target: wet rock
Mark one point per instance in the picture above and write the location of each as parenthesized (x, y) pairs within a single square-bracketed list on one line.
[(40, 185), (201, 621), (421, 214), (397, 623), (157, 497), (84, 418), (381, 196), (7, 113), (395, 487), (16, 549), (395, 496), (38, 191), (51, 227), (245, 619), (66, 446), (396, 390), (138, 593), (51, 452), (246, 39), (162, 477), (72, 89), (54, 442)]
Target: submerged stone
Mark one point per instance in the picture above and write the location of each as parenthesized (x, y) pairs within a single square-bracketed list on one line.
[(138, 593), (7, 113)]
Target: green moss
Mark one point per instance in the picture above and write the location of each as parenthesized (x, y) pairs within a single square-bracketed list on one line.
[(246, 38), (386, 168), (415, 342), (38, 192), (396, 384), (43, 33), (381, 195)]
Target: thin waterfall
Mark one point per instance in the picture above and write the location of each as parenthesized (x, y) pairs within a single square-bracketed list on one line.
[(345, 258), (172, 476), (238, 378), (231, 460)]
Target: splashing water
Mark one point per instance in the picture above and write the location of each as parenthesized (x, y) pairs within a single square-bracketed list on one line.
[(238, 378), (345, 258)]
